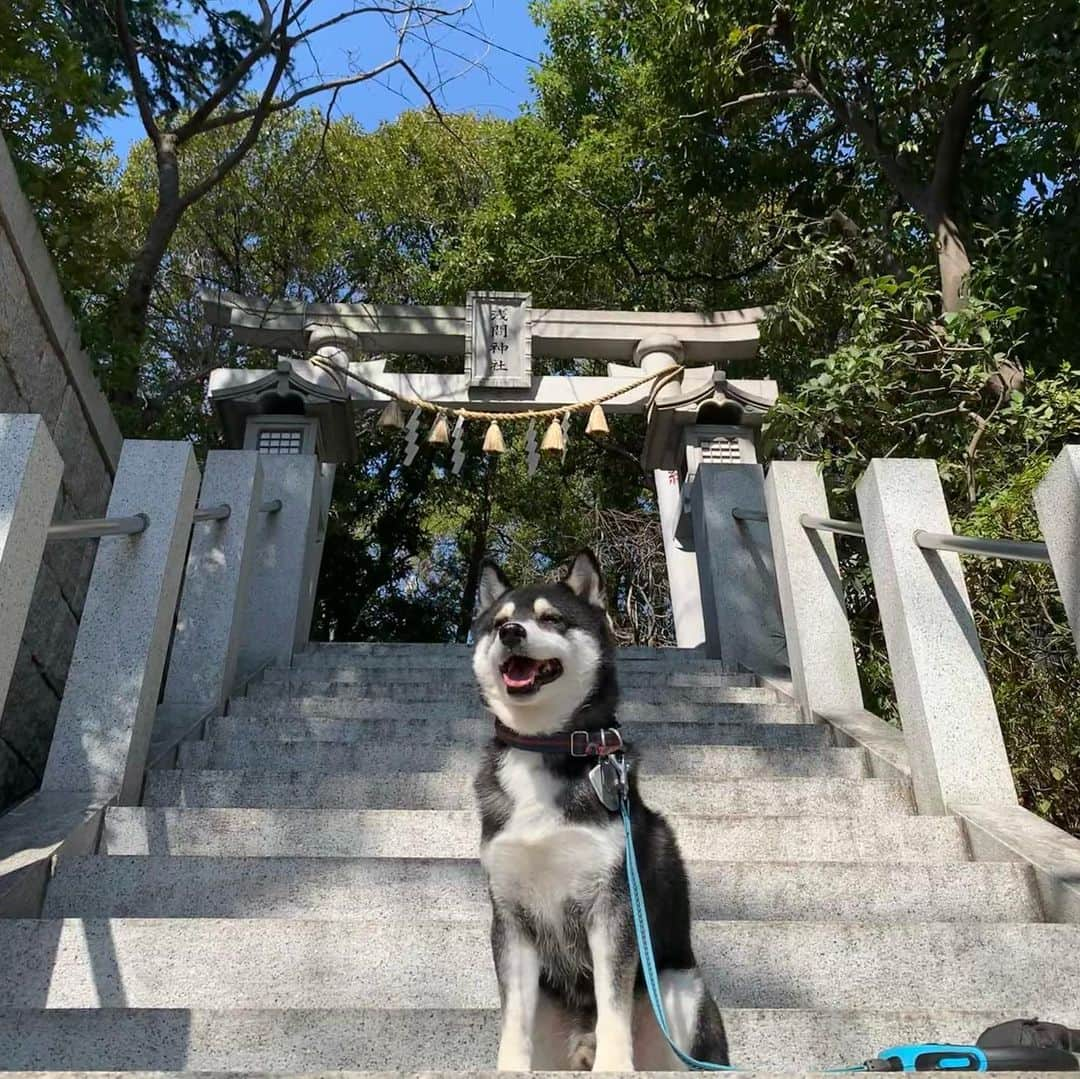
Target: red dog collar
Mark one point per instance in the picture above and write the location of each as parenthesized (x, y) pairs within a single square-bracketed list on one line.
[(599, 743)]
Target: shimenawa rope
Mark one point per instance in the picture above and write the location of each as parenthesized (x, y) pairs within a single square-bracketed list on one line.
[(501, 417)]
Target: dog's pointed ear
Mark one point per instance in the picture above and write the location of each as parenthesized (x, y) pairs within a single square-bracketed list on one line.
[(493, 584), (585, 579)]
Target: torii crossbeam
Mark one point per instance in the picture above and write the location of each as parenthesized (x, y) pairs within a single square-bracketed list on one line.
[(651, 341)]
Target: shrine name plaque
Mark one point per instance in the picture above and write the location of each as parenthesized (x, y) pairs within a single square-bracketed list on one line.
[(498, 339)]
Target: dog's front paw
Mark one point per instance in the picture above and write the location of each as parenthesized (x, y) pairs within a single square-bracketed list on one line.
[(582, 1052), (614, 1059), (514, 1060)]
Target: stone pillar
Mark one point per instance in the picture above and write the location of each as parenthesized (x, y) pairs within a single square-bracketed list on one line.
[(29, 482), (335, 344), (1057, 502), (947, 711), (287, 552), (324, 497), (684, 587), (652, 354), (202, 666), (815, 621), (103, 729), (657, 352), (735, 566)]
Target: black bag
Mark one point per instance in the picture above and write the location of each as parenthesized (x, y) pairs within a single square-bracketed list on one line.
[(1028, 1044), (1030, 1032)]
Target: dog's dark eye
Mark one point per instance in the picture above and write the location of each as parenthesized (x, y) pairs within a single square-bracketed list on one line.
[(550, 619)]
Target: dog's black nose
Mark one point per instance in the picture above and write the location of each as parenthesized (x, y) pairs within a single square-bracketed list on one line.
[(511, 633)]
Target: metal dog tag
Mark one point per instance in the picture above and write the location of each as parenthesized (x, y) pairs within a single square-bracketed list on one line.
[(605, 781)]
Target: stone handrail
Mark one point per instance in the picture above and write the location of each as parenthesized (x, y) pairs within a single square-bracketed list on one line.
[(954, 750), (159, 589)]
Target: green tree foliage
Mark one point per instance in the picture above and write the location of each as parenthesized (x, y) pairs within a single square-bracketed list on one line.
[(52, 96), (198, 68), (945, 110), (910, 172), (418, 211)]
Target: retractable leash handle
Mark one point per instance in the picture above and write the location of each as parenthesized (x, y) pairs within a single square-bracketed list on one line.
[(929, 1056), (973, 1058)]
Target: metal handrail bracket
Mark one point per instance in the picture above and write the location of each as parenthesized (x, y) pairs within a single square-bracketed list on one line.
[(213, 513), (273, 505), (749, 515)]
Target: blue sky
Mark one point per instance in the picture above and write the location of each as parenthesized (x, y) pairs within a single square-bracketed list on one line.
[(483, 65)]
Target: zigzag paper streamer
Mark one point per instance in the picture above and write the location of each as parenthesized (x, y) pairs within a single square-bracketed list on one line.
[(412, 436), (532, 457), (457, 445)]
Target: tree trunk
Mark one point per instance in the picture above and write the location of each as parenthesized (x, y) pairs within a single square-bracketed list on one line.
[(134, 306), (953, 262), (480, 522), (144, 271)]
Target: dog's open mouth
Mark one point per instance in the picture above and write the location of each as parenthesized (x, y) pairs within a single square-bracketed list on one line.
[(521, 674)]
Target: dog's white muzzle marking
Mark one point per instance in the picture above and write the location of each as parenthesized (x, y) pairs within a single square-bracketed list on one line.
[(548, 708)]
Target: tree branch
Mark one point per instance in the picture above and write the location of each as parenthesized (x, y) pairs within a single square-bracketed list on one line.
[(954, 132), (429, 14), (193, 125), (618, 451), (138, 84), (849, 113), (236, 154), (764, 95), (268, 108)]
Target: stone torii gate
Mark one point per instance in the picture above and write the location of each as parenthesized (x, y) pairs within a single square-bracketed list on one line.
[(301, 411)]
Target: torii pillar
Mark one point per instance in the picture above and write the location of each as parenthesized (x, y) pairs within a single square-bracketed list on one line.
[(655, 353)]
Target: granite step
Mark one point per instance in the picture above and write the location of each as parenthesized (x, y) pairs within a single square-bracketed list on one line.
[(467, 692), (377, 756), (324, 833), (630, 711), (463, 660), (392, 889), (331, 783), (358, 1043), (417, 731), (418, 963), (352, 651), (419, 674), (256, 789)]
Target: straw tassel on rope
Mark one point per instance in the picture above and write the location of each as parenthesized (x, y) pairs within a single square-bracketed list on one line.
[(493, 440), (553, 438), (391, 418), (597, 425), (439, 435)]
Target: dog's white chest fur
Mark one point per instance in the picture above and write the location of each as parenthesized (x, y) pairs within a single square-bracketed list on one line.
[(537, 859)]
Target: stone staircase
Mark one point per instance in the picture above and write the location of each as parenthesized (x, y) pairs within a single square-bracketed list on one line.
[(301, 893)]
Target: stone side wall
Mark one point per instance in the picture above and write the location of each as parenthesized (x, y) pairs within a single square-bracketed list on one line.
[(43, 369)]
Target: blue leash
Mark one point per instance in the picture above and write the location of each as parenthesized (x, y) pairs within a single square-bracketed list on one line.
[(648, 959)]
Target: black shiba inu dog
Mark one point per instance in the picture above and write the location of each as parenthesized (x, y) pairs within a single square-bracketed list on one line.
[(562, 933)]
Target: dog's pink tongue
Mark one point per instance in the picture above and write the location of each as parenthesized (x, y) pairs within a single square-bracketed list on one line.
[(519, 671)]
